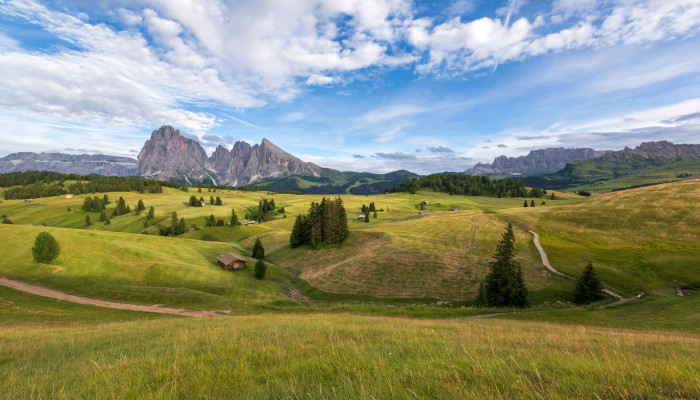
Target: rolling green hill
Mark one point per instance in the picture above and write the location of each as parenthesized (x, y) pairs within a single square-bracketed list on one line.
[(337, 182)]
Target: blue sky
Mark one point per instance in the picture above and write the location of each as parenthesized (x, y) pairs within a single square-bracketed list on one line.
[(356, 85)]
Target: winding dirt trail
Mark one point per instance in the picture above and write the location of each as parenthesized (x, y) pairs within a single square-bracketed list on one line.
[(545, 260), (46, 292)]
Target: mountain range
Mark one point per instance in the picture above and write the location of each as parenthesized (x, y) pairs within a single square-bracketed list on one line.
[(169, 155)]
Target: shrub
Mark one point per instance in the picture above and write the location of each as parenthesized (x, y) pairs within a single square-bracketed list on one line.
[(45, 248)]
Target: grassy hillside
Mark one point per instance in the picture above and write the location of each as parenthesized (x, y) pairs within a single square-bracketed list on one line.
[(346, 357), (337, 182), (138, 269), (605, 174), (638, 239)]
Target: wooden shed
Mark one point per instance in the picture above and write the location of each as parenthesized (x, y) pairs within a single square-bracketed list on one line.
[(229, 261)]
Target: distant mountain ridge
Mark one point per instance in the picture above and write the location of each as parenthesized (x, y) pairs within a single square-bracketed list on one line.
[(169, 155), (82, 164), (544, 160)]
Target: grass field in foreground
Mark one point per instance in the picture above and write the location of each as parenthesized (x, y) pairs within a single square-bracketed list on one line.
[(346, 357)]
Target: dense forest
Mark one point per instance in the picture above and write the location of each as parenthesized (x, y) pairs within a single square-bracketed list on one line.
[(469, 185), (34, 184)]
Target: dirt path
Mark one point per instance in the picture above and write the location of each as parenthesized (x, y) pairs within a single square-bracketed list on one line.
[(46, 292), (545, 260)]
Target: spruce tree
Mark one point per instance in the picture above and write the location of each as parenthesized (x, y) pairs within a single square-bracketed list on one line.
[(193, 201), (234, 218), (258, 250), (481, 300), (105, 200), (211, 200), (297, 238), (68, 209), (505, 286), (588, 287), (87, 220), (45, 248), (374, 215), (260, 269), (552, 196), (103, 216), (218, 201), (173, 223), (182, 227), (532, 203), (199, 190), (151, 213), (140, 206), (525, 203)]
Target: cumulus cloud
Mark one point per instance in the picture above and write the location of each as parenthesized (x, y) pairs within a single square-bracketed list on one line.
[(213, 138)]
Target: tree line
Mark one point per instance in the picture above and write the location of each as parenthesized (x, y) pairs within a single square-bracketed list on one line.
[(35, 184), (326, 222), (468, 185)]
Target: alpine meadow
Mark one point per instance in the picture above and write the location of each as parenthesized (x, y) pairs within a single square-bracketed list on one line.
[(369, 199)]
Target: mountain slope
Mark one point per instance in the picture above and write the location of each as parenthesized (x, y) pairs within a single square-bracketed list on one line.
[(544, 160), (83, 164)]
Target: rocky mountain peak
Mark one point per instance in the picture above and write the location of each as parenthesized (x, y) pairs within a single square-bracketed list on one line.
[(543, 160)]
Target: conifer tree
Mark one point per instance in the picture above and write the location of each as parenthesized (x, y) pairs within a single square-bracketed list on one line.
[(258, 250), (182, 227), (481, 300), (260, 269), (211, 200), (103, 216), (588, 287), (68, 209), (525, 203), (193, 201), (552, 196), (109, 221), (234, 218), (199, 190), (151, 213), (218, 201), (532, 203), (87, 220), (105, 200), (45, 248), (505, 286), (173, 223), (140, 206)]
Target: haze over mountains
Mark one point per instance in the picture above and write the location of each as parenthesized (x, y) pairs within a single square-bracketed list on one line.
[(168, 155)]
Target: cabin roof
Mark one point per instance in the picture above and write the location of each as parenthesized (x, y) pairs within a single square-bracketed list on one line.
[(228, 258)]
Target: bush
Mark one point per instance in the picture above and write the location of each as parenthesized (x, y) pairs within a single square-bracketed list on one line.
[(45, 248)]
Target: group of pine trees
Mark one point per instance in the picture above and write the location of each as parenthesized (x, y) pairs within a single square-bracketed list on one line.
[(34, 184), (326, 222), (95, 204), (469, 185), (369, 210), (504, 286), (178, 226)]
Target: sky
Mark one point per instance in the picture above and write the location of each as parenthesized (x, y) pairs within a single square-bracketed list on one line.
[(362, 85)]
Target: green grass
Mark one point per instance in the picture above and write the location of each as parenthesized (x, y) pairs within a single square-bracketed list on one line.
[(638, 239), (138, 269), (346, 357)]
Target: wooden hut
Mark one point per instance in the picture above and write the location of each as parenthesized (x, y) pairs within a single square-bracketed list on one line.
[(229, 261)]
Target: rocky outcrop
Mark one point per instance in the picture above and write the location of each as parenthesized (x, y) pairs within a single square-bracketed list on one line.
[(664, 150), (169, 155), (83, 164), (545, 160)]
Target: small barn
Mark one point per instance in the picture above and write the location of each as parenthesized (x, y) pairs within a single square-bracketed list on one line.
[(69, 196), (361, 217), (229, 261)]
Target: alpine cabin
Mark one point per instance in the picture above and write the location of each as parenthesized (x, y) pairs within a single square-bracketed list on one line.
[(230, 261)]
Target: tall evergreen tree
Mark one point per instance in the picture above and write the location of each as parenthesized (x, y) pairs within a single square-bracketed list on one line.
[(218, 201), (87, 220), (525, 203), (258, 250), (260, 269), (45, 248), (151, 213), (105, 199), (481, 299), (182, 227), (211, 200), (505, 286), (173, 223), (234, 218), (193, 201), (103, 216), (532, 203), (588, 287), (140, 206)]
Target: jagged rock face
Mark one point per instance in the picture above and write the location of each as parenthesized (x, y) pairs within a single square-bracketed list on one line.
[(264, 160), (168, 155), (545, 160), (664, 150), (82, 164)]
